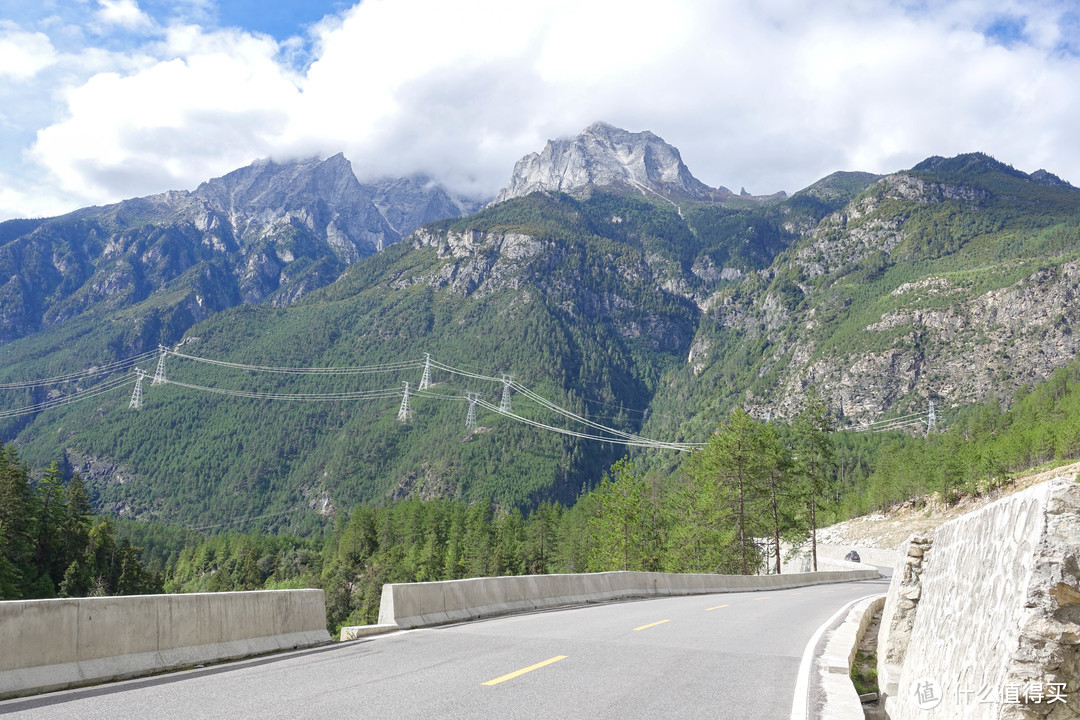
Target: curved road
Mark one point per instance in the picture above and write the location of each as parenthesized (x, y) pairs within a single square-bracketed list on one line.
[(731, 655)]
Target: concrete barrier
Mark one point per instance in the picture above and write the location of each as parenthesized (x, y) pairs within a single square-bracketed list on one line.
[(54, 644), (407, 605), (831, 557), (840, 700)]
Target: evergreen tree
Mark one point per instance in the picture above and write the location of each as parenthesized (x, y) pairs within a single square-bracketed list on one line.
[(778, 489), (17, 517), (541, 538), (51, 514), (741, 456), (479, 540), (623, 535), (75, 529), (814, 457), (10, 579), (702, 532)]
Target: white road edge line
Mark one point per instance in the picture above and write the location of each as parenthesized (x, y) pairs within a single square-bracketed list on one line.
[(802, 682)]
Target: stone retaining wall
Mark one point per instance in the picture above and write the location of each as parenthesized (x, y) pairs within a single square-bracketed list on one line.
[(984, 621)]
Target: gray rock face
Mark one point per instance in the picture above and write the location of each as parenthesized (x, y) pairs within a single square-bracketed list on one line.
[(270, 232), (409, 202), (322, 196), (607, 156)]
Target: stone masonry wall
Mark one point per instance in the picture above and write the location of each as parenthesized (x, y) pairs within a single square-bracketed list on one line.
[(983, 622), (898, 615)]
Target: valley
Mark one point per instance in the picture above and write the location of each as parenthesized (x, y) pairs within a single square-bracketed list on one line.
[(607, 280)]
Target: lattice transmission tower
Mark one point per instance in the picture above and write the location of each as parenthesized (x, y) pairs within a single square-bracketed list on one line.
[(404, 413), (159, 375), (504, 404), (425, 379), (470, 419), (136, 394)]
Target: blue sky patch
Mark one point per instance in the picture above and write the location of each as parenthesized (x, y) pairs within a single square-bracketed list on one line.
[(1007, 30), (281, 20)]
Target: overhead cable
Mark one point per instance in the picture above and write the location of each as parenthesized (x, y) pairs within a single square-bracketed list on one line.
[(112, 367)]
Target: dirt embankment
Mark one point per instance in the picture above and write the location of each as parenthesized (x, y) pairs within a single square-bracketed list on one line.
[(923, 515)]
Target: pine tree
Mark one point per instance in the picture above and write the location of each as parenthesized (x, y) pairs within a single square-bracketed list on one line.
[(622, 532), (702, 532), (75, 528), (814, 457), (742, 456), (51, 511), (17, 512)]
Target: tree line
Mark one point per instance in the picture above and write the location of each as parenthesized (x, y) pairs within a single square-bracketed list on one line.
[(723, 510), (51, 545), (751, 481)]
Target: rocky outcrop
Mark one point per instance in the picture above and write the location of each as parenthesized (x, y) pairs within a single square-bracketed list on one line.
[(968, 349), (475, 263), (609, 157)]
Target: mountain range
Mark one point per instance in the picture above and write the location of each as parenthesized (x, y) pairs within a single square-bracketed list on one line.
[(604, 277), (267, 233)]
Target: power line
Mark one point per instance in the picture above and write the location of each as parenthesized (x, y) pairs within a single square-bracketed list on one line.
[(100, 389), (611, 435), (112, 367), (296, 397), (507, 381), (359, 370), (249, 518), (886, 421), (585, 436)]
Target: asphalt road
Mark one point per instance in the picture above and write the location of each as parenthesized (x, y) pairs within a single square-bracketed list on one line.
[(732, 655)]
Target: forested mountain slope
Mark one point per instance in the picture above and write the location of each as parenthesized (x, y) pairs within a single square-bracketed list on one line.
[(953, 281)]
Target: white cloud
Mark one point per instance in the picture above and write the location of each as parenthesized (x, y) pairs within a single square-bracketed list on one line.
[(23, 54), (221, 101), (770, 95), (122, 13)]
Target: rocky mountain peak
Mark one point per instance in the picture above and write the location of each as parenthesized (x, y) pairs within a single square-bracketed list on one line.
[(270, 185), (606, 156), (322, 196), (409, 202)]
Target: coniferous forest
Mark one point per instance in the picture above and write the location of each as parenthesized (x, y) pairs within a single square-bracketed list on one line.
[(753, 482)]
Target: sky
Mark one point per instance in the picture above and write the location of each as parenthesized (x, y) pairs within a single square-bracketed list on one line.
[(102, 100)]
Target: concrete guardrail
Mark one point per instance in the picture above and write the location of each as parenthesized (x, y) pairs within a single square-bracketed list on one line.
[(408, 605), (54, 644)]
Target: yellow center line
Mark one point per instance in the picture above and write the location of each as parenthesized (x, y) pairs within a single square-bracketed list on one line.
[(717, 607), (522, 671), (767, 597), (658, 622)]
